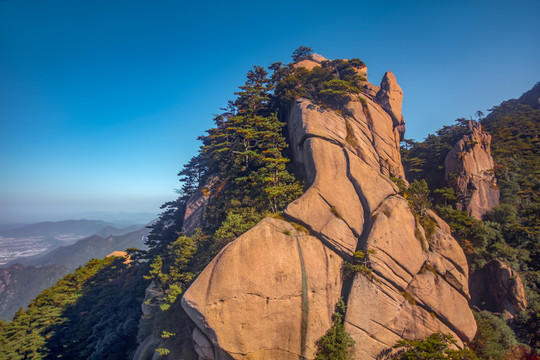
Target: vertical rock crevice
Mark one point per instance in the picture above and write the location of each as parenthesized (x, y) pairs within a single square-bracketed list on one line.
[(351, 204)]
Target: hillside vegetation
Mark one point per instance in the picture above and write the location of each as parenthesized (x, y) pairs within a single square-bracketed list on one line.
[(243, 172), (509, 232)]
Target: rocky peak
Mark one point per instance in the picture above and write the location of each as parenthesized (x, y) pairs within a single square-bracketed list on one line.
[(390, 97), (469, 169), (309, 64), (270, 294)]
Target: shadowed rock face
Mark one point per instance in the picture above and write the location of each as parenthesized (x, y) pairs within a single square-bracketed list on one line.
[(498, 288), (469, 168), (270, 294)]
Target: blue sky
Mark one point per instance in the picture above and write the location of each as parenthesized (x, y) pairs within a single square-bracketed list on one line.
[(101, 101)]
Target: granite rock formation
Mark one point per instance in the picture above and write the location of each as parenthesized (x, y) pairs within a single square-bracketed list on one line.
[(270, 294), (469, 169), (498, 288)]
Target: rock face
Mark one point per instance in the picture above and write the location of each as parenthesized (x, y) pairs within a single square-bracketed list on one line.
[(390, 97), (270, 294), (498, 288), (195, 206), (469, 169)]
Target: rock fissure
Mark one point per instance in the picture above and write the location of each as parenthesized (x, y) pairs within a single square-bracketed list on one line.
[(247, 301), (368, 222), (355, 233), (368, 333), (305, 303), (339, 250)]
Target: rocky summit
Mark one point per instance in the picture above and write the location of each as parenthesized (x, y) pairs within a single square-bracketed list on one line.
[(271, 293), (469, 168)]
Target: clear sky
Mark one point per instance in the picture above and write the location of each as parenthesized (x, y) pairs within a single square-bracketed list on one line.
[(101, 101)]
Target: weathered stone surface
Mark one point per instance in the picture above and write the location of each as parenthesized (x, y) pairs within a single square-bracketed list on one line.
[(267, 295), (251, 301), (469, 168), (318, 58), (308, 64), (416, 290), (378, 315), (327, 207), (195, 206), (371, 90), (498, 288), (390, 97)]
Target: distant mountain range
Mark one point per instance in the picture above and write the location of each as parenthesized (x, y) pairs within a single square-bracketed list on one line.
[(24, 278), (57, 228), (18, 243)]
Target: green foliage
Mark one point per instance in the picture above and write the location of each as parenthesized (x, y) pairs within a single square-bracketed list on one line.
[(333, 83), (350, 269), (509, 232), (244, 156), (360, 264), (103, 297), (163, 351), (417, 194), (302, 53), (408, 297), (336, 344), (435, 346), (493, 337)]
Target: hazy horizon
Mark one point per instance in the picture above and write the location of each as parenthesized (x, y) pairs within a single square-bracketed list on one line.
[(101, 102), (117, 218)]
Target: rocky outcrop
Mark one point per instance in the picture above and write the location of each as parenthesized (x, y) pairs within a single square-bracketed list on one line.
[(309, 64), (498, 288), (469, 169), (193, 217), (180, 346), (270, 294), (390, 97)]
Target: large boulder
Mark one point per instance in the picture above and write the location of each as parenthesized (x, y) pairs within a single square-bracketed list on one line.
[(270, 294), (469, 169), (498, 288)]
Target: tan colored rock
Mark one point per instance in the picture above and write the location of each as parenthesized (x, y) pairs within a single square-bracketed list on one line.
[(267, 295), (250, 302), (415, 290), (390, 97), (318, 58), (498, 288), (469, 169), (308, 64), (327, 208), (379, 315), (371, 90)]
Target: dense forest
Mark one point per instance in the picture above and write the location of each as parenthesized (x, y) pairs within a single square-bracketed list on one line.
[(244, 171)]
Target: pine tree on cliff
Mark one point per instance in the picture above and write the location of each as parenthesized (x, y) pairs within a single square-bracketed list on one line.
[(245, 149)]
